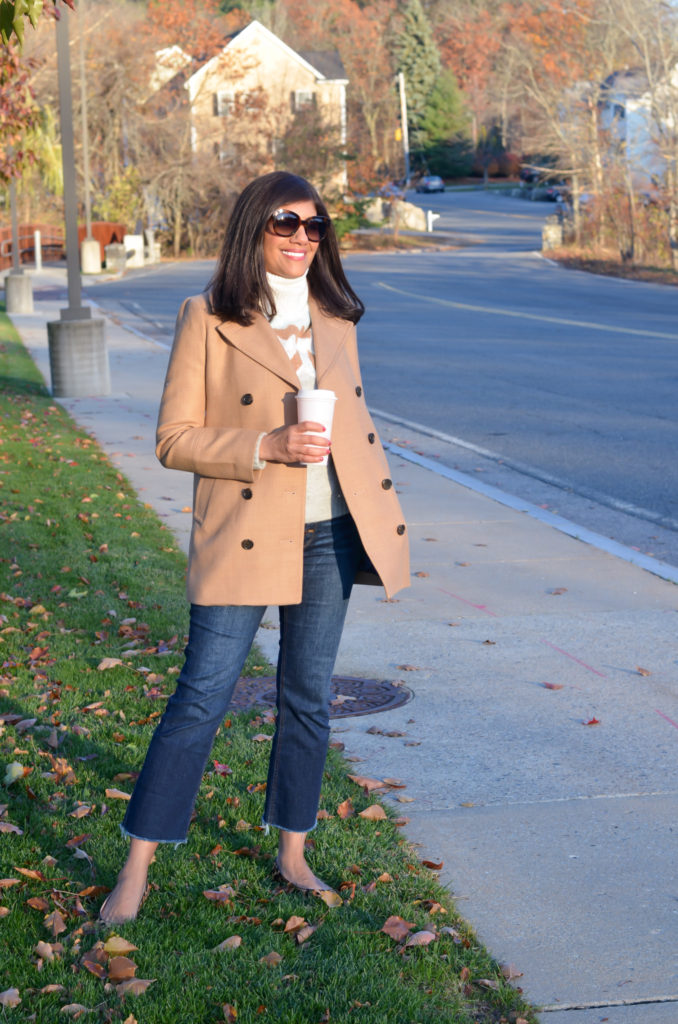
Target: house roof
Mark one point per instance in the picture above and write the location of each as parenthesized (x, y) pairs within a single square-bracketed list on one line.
[(327, 62), (323, 66), (631, 83)]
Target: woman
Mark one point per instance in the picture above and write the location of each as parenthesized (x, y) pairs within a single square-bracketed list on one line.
[(271, 523)]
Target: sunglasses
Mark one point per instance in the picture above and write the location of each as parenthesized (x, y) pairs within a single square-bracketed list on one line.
[(286, 223)]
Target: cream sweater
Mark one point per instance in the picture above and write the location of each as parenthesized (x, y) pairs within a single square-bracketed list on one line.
[(292, 324)]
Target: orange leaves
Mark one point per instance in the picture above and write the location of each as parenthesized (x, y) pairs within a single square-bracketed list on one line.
[(55, 922), (231, 943), (108, 962), (271, 959), (346, 809), (397, 928), (375, 812), (117, 794)]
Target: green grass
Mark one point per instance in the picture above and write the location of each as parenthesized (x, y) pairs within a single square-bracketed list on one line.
[(87, 572)]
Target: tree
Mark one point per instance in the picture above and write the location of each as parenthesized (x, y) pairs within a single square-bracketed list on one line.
[(417, 56), (18, 114), (445, 129)]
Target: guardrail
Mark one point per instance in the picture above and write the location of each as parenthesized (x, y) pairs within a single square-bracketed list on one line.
[(35, 245)]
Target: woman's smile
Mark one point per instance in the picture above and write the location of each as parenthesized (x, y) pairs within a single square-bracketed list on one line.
[(291, 257)]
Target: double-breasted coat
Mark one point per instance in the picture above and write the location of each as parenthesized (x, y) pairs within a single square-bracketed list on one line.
[(226, 384)]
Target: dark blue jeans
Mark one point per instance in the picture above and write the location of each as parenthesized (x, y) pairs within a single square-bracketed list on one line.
[(220, 637)]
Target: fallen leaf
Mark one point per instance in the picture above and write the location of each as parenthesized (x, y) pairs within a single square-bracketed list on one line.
[(643, 671), (421, 938), (222, 769), (31, 873), (346, 809), (55, 923), (222, 894), (592, 721), (7, 883), (422, 575), (108, 663), (407, 668), (74, 1009), (394, 783), (115, 945), (331, 899), (117, 794), (81, 811), (373, 813), (555, 592), (38, 903), (510, 972), (385, 877), (271, 959), (46, 989), (13, 772), (6, 826), (294, 924), (10, 997), (397, 928), (232, 942), (44, 950), (488, 983), (368, 784), (305, 933), (120, 968), (552, 686), (433, 865), (262, 737), (134, 986), (230, 1013), (405, 799)]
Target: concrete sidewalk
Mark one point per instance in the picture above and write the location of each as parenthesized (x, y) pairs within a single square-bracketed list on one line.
[(558, 835)]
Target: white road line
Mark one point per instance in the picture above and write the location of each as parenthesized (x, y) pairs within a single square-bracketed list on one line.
[(596, 540), (537, 474), (541, 318)]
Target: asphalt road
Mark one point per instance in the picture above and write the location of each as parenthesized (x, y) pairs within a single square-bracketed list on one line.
[(559, 387)]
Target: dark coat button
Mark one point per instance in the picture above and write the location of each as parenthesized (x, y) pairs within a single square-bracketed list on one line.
[(387, 484), (249, 544), (400, 529), (246, 399), (358, 391), (371, 438), (246, 493)]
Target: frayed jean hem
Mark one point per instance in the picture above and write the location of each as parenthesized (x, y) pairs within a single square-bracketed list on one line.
[(131, 835), (268, 825)]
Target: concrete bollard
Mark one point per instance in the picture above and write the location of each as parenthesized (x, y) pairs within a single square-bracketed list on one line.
[(134, 245), (78, 359), (116, 257), (90, 256), (18, 292), (37, 250), (551, 234)]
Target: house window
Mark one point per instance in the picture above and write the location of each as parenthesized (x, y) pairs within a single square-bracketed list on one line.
[(302, 99), (224, 102)]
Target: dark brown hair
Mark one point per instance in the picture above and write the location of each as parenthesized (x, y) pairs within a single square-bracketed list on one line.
[(239, 287)]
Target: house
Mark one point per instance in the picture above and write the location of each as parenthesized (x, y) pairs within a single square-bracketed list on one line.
[(249, 94), (635, 123)]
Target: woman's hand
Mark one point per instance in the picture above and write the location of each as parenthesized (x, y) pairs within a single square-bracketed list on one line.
[(295, 443)]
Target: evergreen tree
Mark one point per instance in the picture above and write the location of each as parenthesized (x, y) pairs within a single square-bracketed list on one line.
[(417, 56), (445, 129)]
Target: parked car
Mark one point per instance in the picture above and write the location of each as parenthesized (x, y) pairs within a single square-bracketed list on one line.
[(391, 190), (430, 183)]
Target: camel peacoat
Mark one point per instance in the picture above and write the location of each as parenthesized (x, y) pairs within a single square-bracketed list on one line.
[(226, 384)]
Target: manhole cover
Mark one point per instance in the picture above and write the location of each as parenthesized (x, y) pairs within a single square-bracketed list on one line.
[(349, 695)]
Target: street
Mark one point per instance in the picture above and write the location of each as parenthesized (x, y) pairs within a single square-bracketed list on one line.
[(558, 387)]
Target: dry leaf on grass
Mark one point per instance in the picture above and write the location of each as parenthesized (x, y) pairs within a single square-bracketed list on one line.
[(6, 826), (271, 959), (421, 938), (115, 945), (262, 737), (74, 1010), (294, 924), (346, 809), (10, 997), (222, 894), (373, 813), (117, 794), (55, 923), (305, 933), (44, 950), (120, 968), (108, 663), (134, 986), (366, 783), (331, 899), (488, 983), (232, 942), (230, 1013), (397, 928)]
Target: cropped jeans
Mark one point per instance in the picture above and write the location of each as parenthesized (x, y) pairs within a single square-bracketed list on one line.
[(220, 637)]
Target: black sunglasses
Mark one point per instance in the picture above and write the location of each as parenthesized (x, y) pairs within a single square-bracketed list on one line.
[(286, 223)]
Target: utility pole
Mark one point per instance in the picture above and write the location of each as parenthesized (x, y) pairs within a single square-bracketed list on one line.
[(90, 250), (403, 122), (77, 349)]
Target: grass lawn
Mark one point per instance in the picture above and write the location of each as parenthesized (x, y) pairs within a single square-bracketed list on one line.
[(92, 625)]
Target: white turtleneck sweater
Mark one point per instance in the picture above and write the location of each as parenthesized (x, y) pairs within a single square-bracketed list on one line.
[(292, 324)]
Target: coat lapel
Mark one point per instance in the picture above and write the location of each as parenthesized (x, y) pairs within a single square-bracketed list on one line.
[(260, 343), (329, 337)]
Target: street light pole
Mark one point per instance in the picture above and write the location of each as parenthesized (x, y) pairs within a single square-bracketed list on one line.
[(90, 250), (403, 122), (77, 348)]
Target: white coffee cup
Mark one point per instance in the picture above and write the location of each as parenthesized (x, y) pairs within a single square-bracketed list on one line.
[(317, 406)]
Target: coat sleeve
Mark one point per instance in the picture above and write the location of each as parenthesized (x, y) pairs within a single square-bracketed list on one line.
[(182, 439)]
